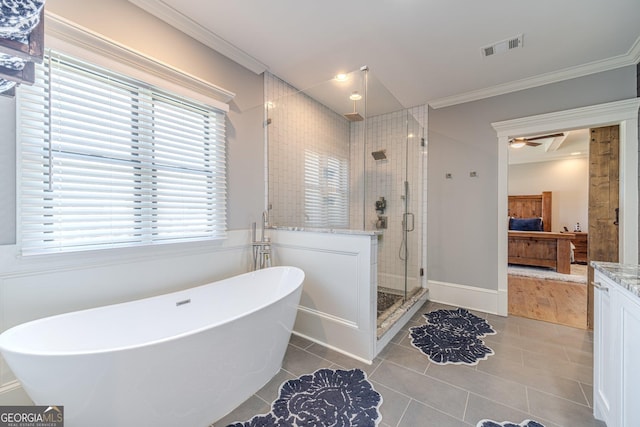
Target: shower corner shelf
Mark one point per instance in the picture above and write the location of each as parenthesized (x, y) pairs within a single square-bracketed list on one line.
[(31, 52)]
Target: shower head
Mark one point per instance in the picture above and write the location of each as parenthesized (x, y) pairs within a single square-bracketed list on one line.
[(379, 155), (354, 117)]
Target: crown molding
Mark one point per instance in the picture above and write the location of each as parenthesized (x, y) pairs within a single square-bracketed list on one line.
[(583, 117), (62, 33), (632, 57), (634, 52), (171, 16)]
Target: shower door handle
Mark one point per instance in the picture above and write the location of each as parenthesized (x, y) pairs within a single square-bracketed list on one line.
[(405, 221)]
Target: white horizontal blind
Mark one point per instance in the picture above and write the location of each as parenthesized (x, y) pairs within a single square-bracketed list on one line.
[(337, 192), (108, 161), (326, 196)]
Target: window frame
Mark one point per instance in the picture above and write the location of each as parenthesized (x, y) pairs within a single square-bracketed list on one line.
[(112, 246), (326, 190)]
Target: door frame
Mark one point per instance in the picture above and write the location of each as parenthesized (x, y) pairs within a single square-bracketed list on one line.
[(623, 113)]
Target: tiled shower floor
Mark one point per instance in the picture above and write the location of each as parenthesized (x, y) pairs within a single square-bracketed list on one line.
[(540, 371), (386, 300)]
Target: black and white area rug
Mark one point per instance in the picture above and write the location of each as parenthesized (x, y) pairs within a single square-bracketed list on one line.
[(326, 398), (525, 423), (453, 336)]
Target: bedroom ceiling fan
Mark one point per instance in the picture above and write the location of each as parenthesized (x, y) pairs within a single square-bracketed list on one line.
[(521, 142)]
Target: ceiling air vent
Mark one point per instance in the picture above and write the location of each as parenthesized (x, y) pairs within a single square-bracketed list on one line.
[(503, 46)]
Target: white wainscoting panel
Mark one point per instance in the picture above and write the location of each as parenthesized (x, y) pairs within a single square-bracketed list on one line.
[(36, 287), (337, 308)]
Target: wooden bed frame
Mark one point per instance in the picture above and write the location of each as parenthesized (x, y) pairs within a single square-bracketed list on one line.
[(538, 248)]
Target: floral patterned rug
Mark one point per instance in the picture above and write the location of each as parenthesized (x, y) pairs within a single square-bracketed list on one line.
[(453, 337), (326, 398), (525, 423)]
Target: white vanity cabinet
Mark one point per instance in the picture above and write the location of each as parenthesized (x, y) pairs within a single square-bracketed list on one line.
[(603, 351), (616, 353)]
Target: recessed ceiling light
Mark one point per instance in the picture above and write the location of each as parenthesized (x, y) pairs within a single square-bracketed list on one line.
[(341, 77)]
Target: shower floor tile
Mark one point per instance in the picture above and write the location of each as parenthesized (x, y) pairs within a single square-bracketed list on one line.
[(386, 300)]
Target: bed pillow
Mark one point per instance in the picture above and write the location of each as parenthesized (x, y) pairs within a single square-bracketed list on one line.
[(525, 224)]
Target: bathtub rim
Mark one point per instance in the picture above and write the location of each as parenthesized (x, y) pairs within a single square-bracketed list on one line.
[(18, 328)]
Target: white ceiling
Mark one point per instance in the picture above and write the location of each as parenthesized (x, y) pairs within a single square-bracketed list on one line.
[(574, 144), (423, 51)]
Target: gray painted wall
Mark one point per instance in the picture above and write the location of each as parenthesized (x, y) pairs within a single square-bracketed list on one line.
[(7, 170), (461, 212)]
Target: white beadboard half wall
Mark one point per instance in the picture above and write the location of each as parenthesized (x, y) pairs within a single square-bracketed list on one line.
[(337, 307)]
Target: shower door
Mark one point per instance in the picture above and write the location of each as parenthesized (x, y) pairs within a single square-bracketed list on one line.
[(393, 199)]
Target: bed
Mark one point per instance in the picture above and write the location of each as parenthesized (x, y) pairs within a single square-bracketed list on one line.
[(531, 241)]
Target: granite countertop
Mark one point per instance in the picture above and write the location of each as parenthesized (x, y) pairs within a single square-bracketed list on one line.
[(329, 230), (626, 275)]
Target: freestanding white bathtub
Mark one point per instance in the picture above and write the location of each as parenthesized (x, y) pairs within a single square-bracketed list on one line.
[(182, 359)]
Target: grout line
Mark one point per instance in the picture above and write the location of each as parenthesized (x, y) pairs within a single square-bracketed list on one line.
[(374, 370), (406, 408), (563, 398), (466, 406), (539, 389), (427, 368), (268, 403), (408, 368), (586, 398), (426, 372), (411, 398)]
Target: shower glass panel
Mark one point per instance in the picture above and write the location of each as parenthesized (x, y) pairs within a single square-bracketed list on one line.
[(309, 152), (395, 182), (345, 154)]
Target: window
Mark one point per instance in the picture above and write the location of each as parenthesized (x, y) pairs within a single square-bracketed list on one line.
[(326, 191), (107, 161)]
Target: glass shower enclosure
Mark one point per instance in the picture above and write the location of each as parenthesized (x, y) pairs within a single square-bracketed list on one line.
[(346, 155)]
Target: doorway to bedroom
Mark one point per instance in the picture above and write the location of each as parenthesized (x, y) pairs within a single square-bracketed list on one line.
[(548, 193), (548, 272), (624, 115)]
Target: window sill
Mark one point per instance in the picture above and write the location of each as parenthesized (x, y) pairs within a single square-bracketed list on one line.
[(12, 263)]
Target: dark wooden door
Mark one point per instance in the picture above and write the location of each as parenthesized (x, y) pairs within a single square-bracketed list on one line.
[(604, 170)]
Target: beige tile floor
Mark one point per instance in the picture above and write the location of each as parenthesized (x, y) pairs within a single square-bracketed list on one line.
[(540, 371)]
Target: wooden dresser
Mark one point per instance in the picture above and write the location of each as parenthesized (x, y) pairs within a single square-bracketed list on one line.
[(580, 242)]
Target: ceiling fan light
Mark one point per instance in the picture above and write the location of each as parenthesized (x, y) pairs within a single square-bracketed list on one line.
[(518, 144)]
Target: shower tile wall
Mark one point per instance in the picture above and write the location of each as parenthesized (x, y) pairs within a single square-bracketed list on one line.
[(385, 178), (298, 124)]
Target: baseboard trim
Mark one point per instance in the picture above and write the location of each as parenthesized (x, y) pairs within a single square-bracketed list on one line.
[(469, 297), (12, 394), (330, 347)]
